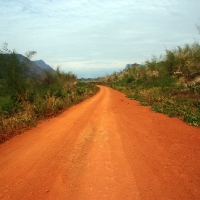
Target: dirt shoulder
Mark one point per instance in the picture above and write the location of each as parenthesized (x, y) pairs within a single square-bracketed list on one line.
[(107, 147)]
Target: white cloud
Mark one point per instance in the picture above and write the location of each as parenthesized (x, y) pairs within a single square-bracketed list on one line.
[(79, 32)]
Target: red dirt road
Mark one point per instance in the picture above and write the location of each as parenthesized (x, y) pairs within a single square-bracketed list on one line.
[(107, 147)]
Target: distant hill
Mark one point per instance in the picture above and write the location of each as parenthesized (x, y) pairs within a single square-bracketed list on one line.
[(135, 64), (34, 69), (44, 66), (86, 79)]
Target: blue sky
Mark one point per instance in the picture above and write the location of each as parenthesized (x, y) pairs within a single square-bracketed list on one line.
[(93, 38)]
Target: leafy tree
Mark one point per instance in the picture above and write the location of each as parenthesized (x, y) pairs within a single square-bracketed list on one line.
[(12, 72)]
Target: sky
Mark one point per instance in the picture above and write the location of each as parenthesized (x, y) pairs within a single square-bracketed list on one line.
[(93, 38)]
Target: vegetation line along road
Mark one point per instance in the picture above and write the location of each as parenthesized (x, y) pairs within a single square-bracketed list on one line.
[(169, 84), (107, 147), (29, 94)]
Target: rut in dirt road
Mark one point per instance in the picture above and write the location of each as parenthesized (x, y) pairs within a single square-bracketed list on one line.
[(107, 147)]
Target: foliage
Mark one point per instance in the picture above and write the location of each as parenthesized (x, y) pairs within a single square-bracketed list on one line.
[(12, 71), (170, 84), (25, 100)]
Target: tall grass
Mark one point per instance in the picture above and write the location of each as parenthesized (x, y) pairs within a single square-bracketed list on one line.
[(169, 84), (25, 100)]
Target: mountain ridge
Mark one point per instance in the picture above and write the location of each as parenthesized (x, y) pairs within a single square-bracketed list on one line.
[(43, 65), (36, 68)]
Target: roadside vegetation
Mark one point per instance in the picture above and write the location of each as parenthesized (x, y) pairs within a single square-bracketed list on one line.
[(26, 100), (169, 84)]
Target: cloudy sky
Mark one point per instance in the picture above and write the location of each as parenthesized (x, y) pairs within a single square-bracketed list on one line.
[(93, 38)]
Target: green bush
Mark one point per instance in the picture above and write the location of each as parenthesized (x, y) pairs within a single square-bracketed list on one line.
[(7, 105)]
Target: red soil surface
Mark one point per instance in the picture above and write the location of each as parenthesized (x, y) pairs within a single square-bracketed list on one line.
[(107, 147)]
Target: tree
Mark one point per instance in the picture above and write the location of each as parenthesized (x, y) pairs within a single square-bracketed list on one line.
[(12, 72)]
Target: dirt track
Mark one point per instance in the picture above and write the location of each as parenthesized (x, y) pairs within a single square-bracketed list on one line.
[(107, 147)]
